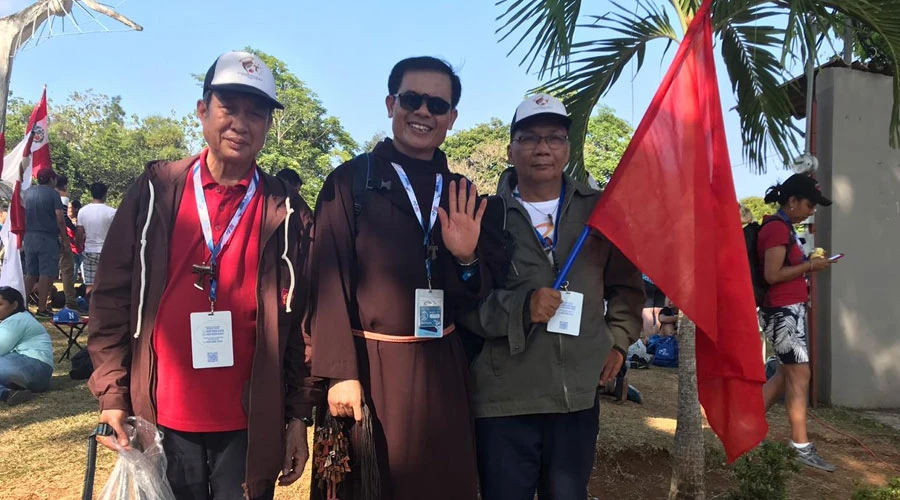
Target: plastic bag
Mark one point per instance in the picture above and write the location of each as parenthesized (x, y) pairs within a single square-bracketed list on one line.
[(140, 472)]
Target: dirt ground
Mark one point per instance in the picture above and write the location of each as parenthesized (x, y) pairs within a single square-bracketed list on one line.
[(634, 460), (42, 446)]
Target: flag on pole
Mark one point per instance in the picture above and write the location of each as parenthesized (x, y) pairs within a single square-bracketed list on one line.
[(674, 188), (36, 144), (11, 270), (38, 133)]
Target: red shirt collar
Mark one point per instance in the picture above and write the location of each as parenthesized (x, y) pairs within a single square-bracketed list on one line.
[(207, 180)]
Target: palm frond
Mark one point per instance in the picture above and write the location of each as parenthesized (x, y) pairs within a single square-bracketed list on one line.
[(548, 24), (883, 17), (686, 10), (762, 103), (597, 66)]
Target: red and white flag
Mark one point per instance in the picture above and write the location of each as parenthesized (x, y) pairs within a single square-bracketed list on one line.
[(11, 236), (35, 144)]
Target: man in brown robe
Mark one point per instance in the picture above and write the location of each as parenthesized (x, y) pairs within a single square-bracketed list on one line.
[(373, 254)]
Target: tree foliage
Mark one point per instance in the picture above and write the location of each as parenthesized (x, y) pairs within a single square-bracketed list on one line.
[(752, 34), (92, 139), (758, 207), (303, 137), (376, 138), (479, 153), (605, 143)]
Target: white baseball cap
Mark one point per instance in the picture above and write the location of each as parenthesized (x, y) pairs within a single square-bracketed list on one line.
[(241, 71), (540, 105)]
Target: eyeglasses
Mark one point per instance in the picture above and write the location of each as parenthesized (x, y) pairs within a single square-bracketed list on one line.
[(412, 101), (532, 141)]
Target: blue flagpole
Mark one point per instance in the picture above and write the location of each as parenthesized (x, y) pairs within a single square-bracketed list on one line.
[(572, 256)]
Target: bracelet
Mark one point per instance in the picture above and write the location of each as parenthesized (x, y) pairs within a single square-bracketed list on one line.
[(468, 264)]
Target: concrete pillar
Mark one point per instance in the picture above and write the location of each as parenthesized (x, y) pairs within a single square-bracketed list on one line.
[(858, 309)]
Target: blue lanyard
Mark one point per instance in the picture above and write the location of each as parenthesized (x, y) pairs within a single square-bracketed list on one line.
[(780, 213), (549, 247), (215, 249), (427, 224)]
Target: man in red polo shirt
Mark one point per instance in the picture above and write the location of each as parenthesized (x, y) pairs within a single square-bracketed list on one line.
[(198, 302)]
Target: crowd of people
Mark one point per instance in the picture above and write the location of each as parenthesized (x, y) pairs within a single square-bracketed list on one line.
[(62, 242), (406, 306)]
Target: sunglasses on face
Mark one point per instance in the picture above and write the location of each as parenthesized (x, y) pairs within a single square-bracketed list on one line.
[(412, 101)]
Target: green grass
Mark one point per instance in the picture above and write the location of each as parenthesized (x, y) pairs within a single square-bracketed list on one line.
[(43, 442), (42, 445)]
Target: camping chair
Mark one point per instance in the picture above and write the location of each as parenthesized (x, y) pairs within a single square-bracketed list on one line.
[(72, 330)]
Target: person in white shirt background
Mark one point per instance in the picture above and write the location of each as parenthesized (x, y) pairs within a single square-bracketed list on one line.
[(95, 218)]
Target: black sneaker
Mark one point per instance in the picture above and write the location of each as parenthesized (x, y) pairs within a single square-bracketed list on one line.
[(809, 456), (620, 392), (45, 314), (18, 396)]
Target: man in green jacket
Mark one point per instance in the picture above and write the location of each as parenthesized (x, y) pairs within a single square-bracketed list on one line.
[(536, 377)]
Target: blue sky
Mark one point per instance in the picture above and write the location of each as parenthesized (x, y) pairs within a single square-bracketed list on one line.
[(343, 50)]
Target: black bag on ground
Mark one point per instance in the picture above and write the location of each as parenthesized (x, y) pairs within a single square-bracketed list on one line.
[(82, 367)]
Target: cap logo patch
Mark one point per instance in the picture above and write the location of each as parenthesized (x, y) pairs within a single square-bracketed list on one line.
[(540, 100), (250, 65)]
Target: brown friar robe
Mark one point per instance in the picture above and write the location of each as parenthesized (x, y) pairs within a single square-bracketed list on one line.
[(366, 269)]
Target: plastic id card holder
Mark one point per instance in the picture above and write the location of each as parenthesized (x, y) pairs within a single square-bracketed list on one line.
[(212, 344), (567, 319), (429, 313)]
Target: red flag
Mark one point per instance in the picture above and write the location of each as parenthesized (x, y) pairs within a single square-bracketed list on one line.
[(38, 134), (672, 210), (16, 216)]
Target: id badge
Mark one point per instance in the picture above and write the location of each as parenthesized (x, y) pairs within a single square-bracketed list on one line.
[(212, 344), (567, 319), (429, 313)]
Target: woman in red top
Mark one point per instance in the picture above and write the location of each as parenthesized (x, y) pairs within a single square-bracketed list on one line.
[(784, 312)]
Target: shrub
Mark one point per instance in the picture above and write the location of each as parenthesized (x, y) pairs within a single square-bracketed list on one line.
[(889, 492), (763, 473)]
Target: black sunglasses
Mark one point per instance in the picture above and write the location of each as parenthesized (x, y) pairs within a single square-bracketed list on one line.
[(412, 101)]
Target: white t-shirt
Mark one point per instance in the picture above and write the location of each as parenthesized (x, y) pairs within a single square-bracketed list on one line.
[(543, 218), (95, 218)]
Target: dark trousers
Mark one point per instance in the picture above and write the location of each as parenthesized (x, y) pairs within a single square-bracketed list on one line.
[(207, 465), (552, 454)]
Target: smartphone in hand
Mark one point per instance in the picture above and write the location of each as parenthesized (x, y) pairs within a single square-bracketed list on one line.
[(836, 257)]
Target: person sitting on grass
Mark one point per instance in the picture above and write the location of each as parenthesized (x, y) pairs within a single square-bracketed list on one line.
[(26, 353)]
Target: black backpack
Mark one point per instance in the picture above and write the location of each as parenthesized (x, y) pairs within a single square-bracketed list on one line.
[(82, 368), (757, 270)]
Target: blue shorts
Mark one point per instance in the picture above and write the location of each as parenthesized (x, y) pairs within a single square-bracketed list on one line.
[(41, 254)]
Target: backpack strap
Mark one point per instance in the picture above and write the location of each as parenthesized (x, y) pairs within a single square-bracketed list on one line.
[(792, 237), (362, 167)]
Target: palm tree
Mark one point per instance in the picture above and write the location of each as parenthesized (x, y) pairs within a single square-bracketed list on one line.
[(750, 42)]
